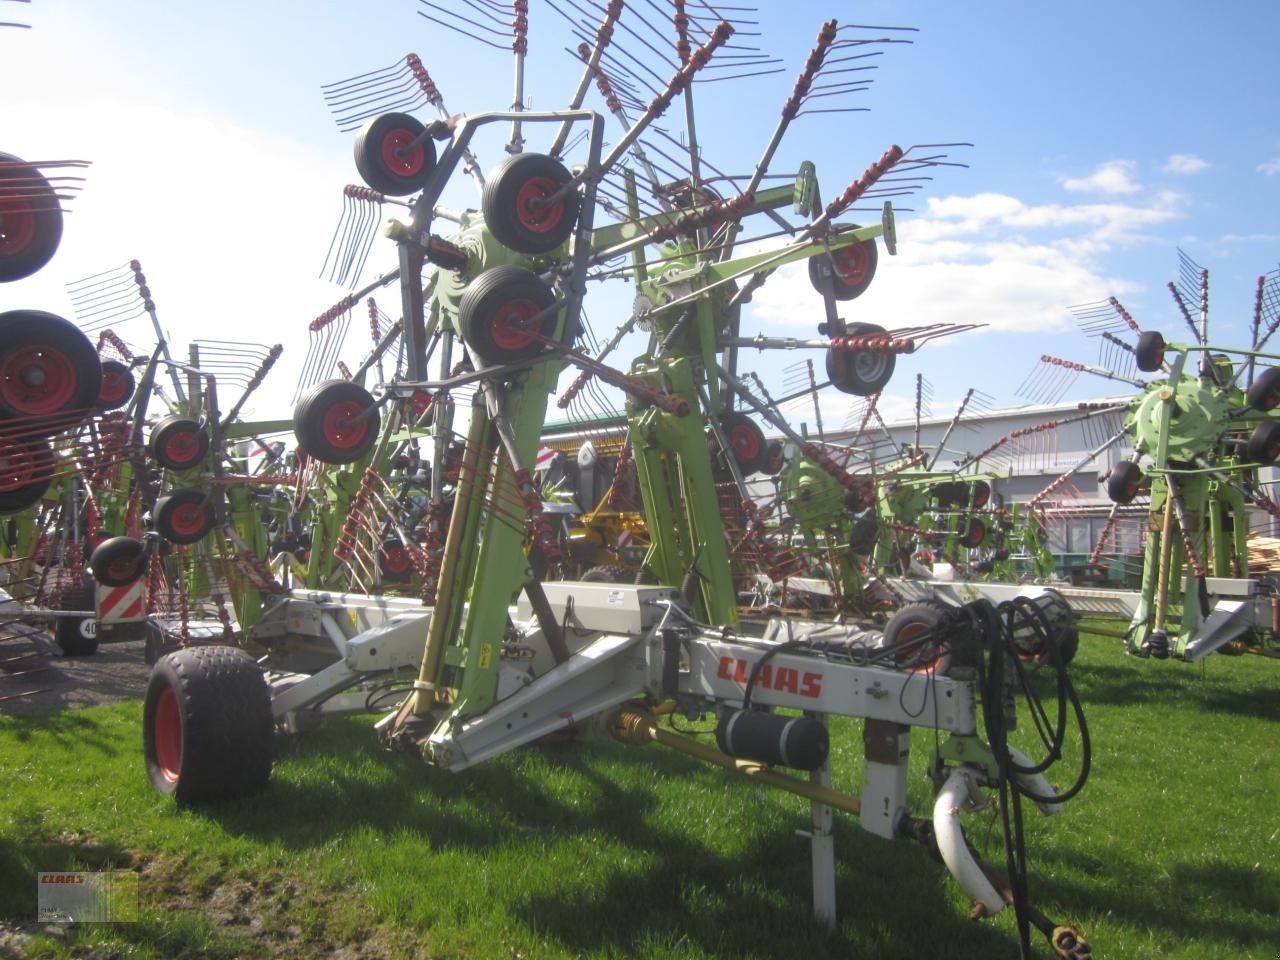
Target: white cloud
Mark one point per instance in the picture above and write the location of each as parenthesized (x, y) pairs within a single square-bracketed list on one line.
[(1113, 177), (1185, 163), (1270, 167), (989, 259)]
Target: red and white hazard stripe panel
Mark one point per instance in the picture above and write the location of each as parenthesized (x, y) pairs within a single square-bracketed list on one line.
[(544, 458), (122, 604)]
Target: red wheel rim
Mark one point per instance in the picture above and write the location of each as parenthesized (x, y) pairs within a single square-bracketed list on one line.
[(395, 558), (188, 519), (123, 568), (167, 733), (981, 494), (341, 428), (17, 226), (851, 264), (115, 387), (975, 534), (506, 328), (923, 658), (404, 164), (534, 216), (420, 402), (37, 380), (182, 446), (18, 465), (745, 442)]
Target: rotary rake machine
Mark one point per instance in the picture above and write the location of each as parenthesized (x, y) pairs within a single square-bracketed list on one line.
[(1198, 434), (504, 655)]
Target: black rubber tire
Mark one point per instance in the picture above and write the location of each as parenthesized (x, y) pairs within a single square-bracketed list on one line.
[(178, 443), (30, 219), (1149, 353), (864, 373), (1125, 480), (118, 562), (394, 563), (207, 725), (979, 494), (775, 458), (491, 302), (1264, 443), (26, 472), (380, 168), (184, 515), (929, 655), (950, 494), (318, 427), (77, 636), (1264, 392), (844, 274), (975, 531), (506, 197), (746, 442), (862, 538), (39, 345), (117, 386), (610, 573)]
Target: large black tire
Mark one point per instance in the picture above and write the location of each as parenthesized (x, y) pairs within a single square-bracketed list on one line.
[(325, 425), (118, 561), (1122, 485), (492, 309), (845, 273), (863, 373), (1149, 353), (380, 162), (509, 203), (30, 219), (26, 472), (610, 573), (178, 443), (206, 725), (746, 442), (50, 376), (922, 619), (1264, 443), (77, 636), (184, 516), (1264, 392), (117, 385)]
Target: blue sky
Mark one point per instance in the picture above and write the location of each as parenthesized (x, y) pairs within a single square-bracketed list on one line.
[(1106, 135)]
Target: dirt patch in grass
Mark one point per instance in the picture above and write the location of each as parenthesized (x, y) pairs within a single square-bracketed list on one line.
[(35, 680)]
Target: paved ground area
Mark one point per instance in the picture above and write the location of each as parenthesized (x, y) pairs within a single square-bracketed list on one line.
[(35, 679)]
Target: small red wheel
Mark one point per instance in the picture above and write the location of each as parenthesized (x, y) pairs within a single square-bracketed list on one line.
[(30, 219), (861, 372), (386, 160), (846, 272), (747, 442), (920, 622), (974, 533), (334, 423), (178, 443), (396, 565), (494, 315), (49, 371), (517, 203), (26, 472), (117, 385), (118, 561), (184, 516)]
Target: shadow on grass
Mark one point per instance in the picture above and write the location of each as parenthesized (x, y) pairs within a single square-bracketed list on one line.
[(754, 904), (70, 728), (1174, 682), (1212, 902)]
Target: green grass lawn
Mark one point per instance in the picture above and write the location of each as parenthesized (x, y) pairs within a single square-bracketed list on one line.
[(601, 850)]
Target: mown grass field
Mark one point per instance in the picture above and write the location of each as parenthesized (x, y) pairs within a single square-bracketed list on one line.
[(600, 850)]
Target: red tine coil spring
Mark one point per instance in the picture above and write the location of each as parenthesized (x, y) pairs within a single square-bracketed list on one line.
[(888, 160)]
